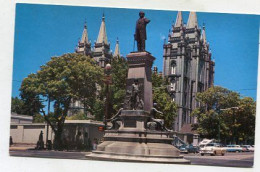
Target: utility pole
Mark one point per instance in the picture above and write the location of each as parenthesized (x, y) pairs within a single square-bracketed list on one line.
[(47, 133), (107, 81)]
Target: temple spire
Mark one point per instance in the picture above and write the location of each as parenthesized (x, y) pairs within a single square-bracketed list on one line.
[(179, 20), (117, 50), (84, 45), (192, 21), (102, 36), (84, 38)]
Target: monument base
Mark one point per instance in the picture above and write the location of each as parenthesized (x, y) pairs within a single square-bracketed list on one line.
[(133, 142), (139, 152)]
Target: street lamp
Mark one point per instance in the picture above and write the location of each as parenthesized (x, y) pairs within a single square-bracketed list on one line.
[(108, 81)]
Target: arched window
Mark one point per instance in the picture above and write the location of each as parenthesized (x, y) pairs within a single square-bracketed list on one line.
[(173, 67)]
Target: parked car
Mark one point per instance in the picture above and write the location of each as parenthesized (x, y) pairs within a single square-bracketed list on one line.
[(212, 149), (233, 148), (193, 149), (246, 148), (183, 149)]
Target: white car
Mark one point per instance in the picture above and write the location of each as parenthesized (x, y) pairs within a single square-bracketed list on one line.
[(233, 148), (247, 148), (212, 149)]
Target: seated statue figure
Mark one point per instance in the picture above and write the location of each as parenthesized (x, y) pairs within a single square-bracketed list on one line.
[(156, 124), (115, 120)]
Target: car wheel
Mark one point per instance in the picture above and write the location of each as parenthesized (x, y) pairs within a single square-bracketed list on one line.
[(237, 151), (202, 154), (223, 154)]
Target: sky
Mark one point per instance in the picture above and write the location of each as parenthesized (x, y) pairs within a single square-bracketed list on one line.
[(43, 31)]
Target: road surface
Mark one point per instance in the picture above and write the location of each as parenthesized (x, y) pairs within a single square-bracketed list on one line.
[(244, 159)]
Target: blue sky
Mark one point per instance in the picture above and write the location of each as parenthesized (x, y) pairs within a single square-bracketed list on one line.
[(42, 31)]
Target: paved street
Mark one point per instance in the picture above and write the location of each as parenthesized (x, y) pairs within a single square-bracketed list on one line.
[(244, 159)]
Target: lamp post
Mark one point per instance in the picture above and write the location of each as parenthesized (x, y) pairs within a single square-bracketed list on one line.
[(107, 81), (47, 133)]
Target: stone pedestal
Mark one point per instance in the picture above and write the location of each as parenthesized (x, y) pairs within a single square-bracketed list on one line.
[(140, 68), (133, 120)]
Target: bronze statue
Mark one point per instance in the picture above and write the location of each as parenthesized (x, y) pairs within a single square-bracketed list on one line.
[(135, 100), (156, 124), (140, 31), (115, 120)]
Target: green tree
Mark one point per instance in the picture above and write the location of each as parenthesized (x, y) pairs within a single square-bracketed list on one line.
[(244, 123), (118, 87), (38, 118), (63, 79), (158, 80), (222, 114), (78, 116), (17, 105), (25, 107), (163, 100)]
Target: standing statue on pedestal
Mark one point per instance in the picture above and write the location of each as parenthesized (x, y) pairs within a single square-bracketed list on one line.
[(135, 100), (140, 31)]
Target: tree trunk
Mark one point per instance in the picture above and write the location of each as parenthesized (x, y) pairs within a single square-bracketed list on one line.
[(58, 143)]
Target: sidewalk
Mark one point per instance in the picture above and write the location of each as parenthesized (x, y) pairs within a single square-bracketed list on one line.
[(21, 147)]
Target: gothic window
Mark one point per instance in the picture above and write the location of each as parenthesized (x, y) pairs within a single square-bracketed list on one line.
[(184, 117), (173, 68), (201, 72), (186, 67)]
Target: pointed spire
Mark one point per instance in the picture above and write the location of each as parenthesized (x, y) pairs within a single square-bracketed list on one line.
[(102, 36), (203, 35), (192, 21), (84, 38), (179, 20), (117, 50)]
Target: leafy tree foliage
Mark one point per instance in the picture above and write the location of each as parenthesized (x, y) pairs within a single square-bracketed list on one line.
[(158, 80), (223, 114), (163, 100), (38, 118), (63, 79), (118, 87), (17, 105), (78, 116)]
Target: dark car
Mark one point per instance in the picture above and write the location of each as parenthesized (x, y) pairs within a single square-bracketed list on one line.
[(183, 149), (193, 149)]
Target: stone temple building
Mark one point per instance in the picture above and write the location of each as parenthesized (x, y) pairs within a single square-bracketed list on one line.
[(188, 66), (100, 52)]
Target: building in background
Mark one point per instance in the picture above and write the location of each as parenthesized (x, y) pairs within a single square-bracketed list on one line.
[(84, 130), (188, 66), (21, 119), (100, 52)]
